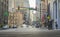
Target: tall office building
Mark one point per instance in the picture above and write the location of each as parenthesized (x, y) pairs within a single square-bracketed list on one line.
[(38, 2), (3, 12), (55, 12), (17, 7), (43, 11)]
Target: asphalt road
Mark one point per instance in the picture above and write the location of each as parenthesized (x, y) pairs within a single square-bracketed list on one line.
[(32, 33)]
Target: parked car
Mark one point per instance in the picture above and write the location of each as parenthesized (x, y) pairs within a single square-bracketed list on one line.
[(36, 24), (14, 26), (5, 27), (24, 25)]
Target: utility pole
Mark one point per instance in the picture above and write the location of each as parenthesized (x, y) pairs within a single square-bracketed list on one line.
[(40, 12), (47, 6)]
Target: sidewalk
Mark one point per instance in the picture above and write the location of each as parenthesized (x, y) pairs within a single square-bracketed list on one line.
[(20, 29)]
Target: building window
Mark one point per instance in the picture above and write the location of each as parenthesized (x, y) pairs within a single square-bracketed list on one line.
[(56, 9)]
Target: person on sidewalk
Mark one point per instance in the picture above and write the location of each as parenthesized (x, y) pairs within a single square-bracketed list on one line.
[(56, 25), (50, 24)]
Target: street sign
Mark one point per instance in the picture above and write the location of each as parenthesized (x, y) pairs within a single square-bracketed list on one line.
[(6, 13), (32, 9)]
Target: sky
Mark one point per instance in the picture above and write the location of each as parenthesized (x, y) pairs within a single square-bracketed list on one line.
[(32, 3)]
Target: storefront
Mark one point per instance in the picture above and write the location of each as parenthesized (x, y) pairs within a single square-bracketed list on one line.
[(55, 13), (58, 13)]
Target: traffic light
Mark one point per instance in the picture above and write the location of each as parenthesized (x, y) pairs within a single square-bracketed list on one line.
[(18, 7), (5, 22), (6, 13)]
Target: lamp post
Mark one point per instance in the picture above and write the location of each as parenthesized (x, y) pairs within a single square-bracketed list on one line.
[(47, 6), (40, 12)]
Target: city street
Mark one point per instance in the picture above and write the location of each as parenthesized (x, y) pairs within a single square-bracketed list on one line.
[(29, 32), (29, 18)]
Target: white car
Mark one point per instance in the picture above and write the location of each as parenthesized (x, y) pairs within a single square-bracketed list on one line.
[(5, 27), (24, 26)]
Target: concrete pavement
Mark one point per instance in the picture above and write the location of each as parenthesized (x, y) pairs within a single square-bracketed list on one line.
[(20, 29), (29, 32)]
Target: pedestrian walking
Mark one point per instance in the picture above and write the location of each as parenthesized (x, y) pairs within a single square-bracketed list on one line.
[(50, 24), (56, 25)]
